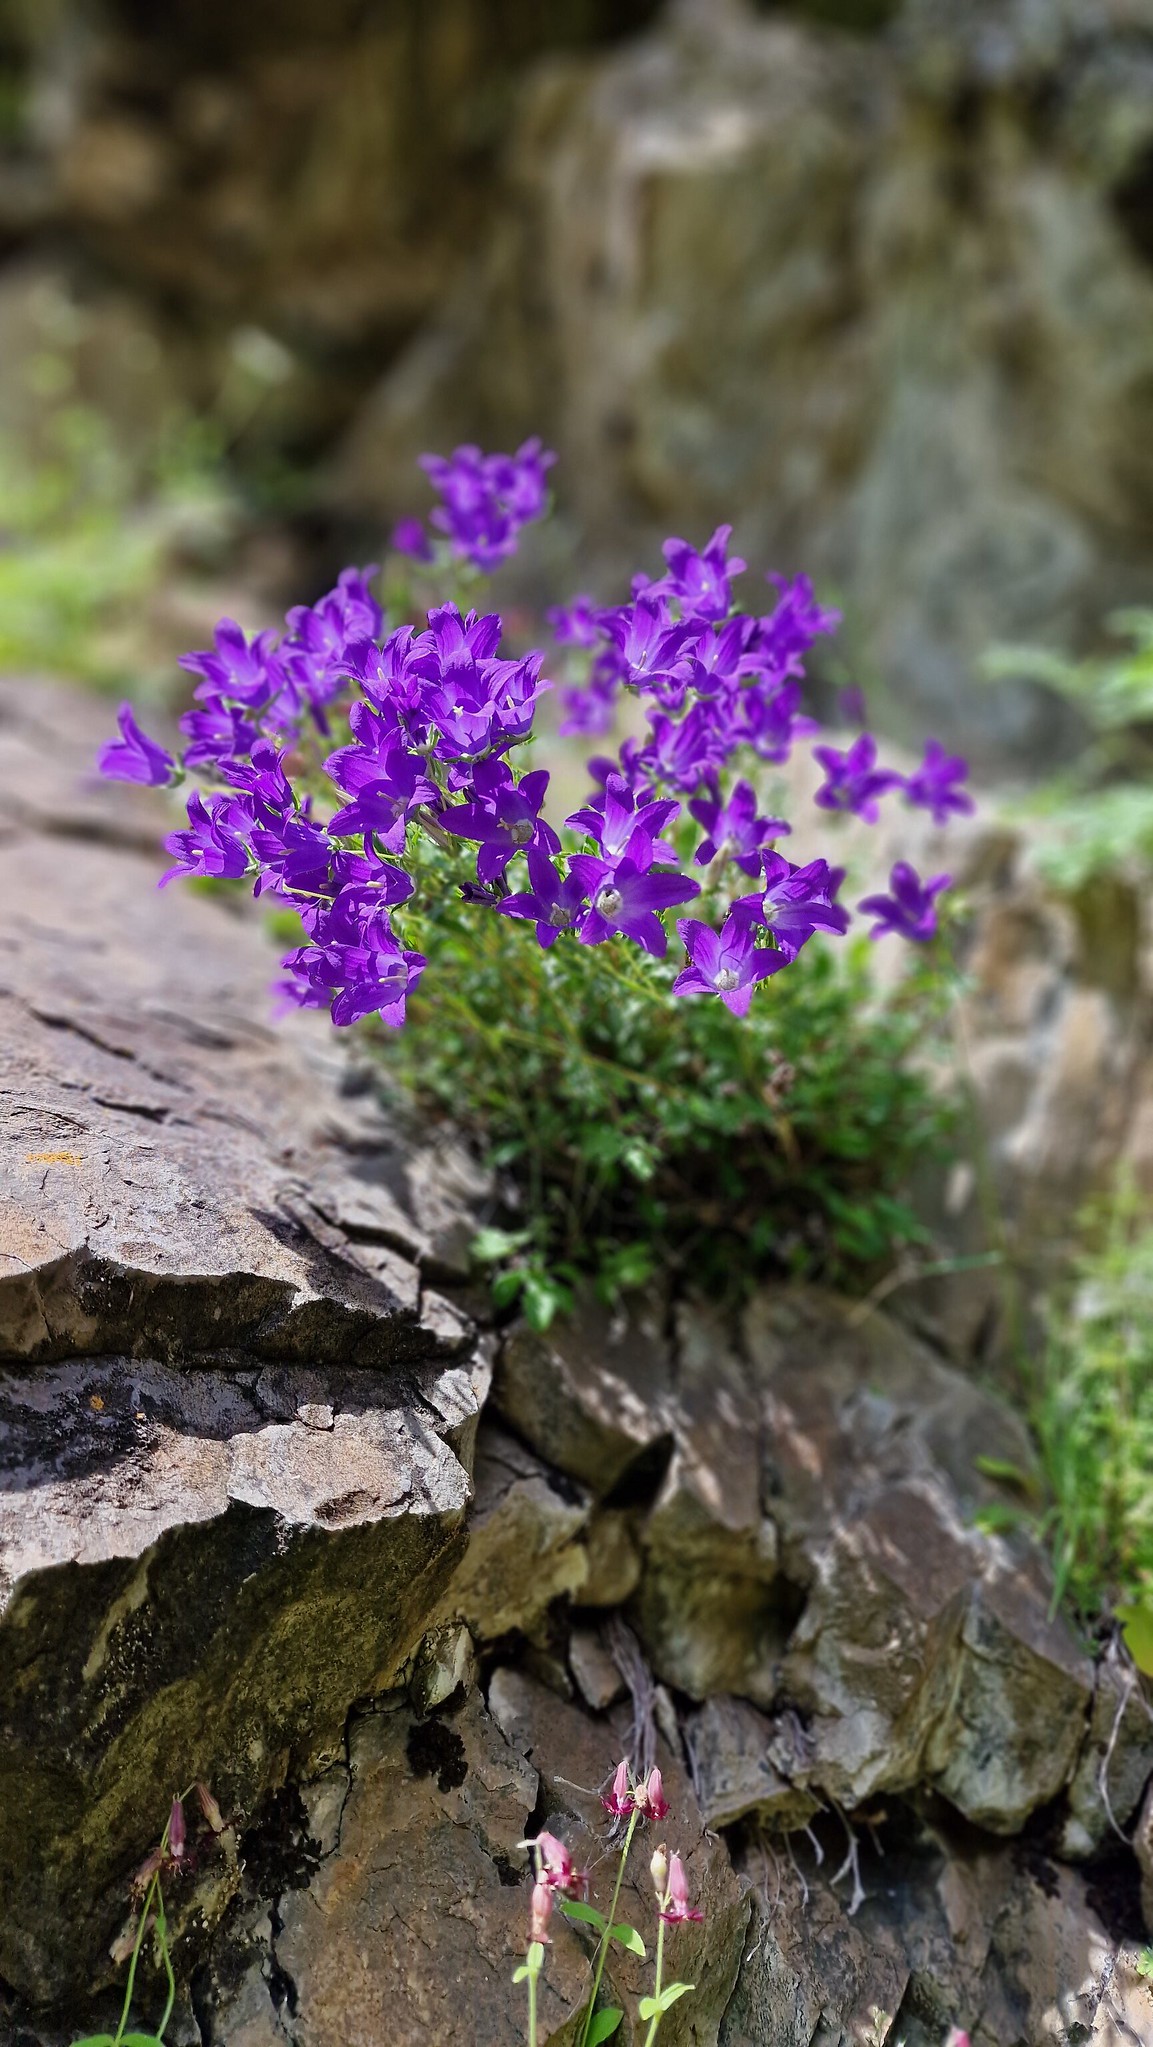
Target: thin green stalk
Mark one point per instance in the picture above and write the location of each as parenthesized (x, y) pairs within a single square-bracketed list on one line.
[(166, 1958), (532, 2008), (602, 1950), (654, 2022), (151, 1893)]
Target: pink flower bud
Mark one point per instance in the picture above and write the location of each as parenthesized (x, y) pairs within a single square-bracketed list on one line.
[(651, 1800), (210, 1809), (176, 1831), (620, 1799), (541, 1909), (554, 1863), (678, 1910), (957, 2037)]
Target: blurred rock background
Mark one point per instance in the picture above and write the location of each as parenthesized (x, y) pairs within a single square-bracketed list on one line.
[(871, 278)]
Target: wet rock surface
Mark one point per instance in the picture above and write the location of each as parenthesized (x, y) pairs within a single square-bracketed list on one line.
[(262, 1523)]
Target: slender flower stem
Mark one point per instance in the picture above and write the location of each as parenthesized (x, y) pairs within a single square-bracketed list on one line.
[(602, 1950), (145, 1910), (532, 2008), (654, 2022)]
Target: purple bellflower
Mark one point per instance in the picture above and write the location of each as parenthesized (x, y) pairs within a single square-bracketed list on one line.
[(244, 672), (553, 903), (504, 816), (134, 757), (613, 817), (577, 623), (735, 832), (728, 962), (626, 897), (212, 843), (932, 786), (910, 910), (853, 782), (701, 583), (409, 537), (795, 901)]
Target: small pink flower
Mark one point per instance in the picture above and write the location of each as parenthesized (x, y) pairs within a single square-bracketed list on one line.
[(620, 1799), (542, 1892), (957, 2037), (650, 1799), (554, 1863), (176, 1831), (677, 1908)]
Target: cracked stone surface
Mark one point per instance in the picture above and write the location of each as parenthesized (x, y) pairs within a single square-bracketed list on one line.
[(237, 1423)]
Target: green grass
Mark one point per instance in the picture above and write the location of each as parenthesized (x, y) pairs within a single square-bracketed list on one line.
[(1094, 1422)]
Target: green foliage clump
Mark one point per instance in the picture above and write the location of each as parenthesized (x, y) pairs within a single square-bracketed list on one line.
[(646, 1133), (1102, 812), (86, 536), (1094, 1423)]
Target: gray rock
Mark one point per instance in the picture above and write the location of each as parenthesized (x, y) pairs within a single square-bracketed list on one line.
[(736, 1756), (524, 1546), (591, 1395), (1115, 1762)]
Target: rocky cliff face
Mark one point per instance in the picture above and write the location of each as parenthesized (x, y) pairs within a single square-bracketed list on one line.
[(279, 1512), (884, 299)]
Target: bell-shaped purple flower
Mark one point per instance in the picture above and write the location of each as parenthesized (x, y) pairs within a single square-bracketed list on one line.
[(134, 757), (795, 901), (244, 672), (910, 910), (553, 902), (626, 898), (933, 786), (504, 815), (212, 843), (728, 962), (735, 832), (613, 817), (701, 583), (853, 782)]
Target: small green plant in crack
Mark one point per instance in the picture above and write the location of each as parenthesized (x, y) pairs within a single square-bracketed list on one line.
[(148, 1923)]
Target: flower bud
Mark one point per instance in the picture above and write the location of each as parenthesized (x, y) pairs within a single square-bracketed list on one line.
[(541, 1909), (651, 1798), (620, 1799), (957, 2037), (210, 1809), (176, 1831), (553, 1863), (659, 1871)]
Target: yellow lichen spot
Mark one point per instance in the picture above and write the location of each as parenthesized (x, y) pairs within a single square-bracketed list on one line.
[(96, 1403), (54, 1158)]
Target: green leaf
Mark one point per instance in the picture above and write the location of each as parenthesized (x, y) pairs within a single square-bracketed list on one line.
[(671, 1992), (647, 2008), (604, 2025), (518, 1975), (574, 1908), (1137, 1628), (543, 1301), (95, 2040), (628, 1937), (489, 1246), (140, 2040), (506, 1286)]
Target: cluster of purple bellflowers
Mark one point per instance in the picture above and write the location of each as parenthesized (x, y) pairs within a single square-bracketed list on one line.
[(419, 732)]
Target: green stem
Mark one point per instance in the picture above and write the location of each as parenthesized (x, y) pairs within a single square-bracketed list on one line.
[(166, 1958), (602, 1950), (654, 2022), (145, 1910), (532, 2008)]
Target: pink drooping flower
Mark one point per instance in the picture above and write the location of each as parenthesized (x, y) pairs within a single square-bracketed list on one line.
[(677, 1908), (542, 1892), (620, 1799), (650, 1798), (554, 1867), (177, 1833)]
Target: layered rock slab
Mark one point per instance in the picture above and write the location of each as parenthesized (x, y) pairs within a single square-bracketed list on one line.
[(237, 1423)]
